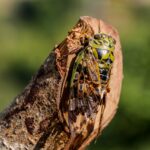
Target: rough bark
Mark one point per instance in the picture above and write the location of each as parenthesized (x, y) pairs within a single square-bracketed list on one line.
[(33, 121)]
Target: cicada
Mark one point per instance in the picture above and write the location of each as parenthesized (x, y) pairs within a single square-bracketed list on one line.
[(87, 86)]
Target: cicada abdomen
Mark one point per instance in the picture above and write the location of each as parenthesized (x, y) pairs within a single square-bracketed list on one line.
[(87, 86)]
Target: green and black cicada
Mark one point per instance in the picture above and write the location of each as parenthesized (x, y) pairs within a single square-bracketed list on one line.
[(88, 85)]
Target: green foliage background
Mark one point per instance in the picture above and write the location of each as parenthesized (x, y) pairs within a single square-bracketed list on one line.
[(29, 29)]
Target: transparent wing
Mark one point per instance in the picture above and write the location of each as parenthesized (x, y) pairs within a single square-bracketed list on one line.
[(85, 93), (84, 106)]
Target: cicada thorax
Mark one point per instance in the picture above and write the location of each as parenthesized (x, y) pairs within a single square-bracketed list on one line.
[(87, 85), (104, 45)]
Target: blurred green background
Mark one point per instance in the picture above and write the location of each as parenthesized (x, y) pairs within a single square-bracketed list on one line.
[(29, 29)]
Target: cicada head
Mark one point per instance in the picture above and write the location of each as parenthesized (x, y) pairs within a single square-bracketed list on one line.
[(103, 46), (102, 41)]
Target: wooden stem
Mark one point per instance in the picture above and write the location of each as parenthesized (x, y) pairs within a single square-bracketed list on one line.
[(32, 121)]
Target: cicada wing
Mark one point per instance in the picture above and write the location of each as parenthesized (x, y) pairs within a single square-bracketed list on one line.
[(93, 67), (85, 96)]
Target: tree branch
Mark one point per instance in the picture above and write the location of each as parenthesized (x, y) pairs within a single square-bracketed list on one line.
[(33, 120)]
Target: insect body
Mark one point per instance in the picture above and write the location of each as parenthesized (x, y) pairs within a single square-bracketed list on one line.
[(88, 86)]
